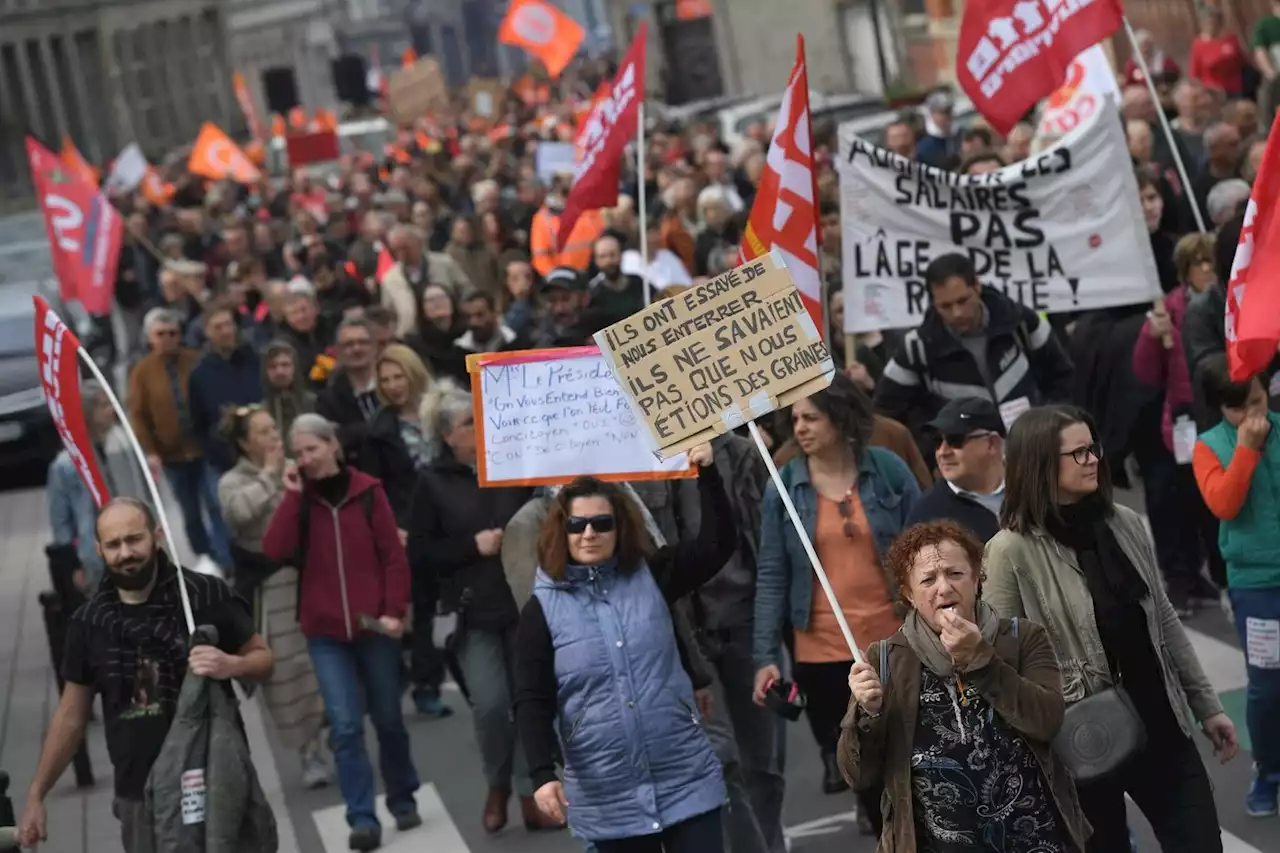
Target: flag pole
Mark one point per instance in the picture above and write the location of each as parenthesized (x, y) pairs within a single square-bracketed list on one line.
[(152, 489), (805, 541), (641, 204), (1164, 124)]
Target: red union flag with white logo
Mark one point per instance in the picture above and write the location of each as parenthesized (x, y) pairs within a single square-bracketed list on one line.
[(1252, 321), (56, 354), (609, 128), (84, 231), (1011, 54), (784, 215)]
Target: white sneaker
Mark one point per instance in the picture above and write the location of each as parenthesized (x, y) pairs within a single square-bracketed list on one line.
[(316, 772)]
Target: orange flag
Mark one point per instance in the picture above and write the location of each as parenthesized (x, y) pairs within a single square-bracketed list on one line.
[(544, 31), (297, 119), (409, 57), (72, 159), (216, 157), (154, 189), (250, 110)]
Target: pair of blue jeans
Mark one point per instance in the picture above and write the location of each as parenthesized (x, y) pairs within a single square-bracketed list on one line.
[(368, 667), (1262, 698), (195, 486)]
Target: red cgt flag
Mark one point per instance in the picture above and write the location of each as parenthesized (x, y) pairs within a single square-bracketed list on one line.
[(84, 231), (56, 353), (784, 215), (610, 127), (1252, 321), (1011, 54)]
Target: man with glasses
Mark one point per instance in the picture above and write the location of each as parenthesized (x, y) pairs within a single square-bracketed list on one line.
[(350, 399), (160, 413), (969, 440)]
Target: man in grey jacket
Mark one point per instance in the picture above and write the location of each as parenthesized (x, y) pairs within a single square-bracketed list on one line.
[(129, 643)]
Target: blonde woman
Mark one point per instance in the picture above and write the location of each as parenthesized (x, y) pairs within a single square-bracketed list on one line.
[(401, 441)]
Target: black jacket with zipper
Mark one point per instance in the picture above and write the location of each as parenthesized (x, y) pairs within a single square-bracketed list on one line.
[(932, 366), (449, 509), (383, 455)]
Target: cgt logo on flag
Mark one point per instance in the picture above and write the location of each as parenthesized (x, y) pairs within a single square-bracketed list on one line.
[(1036, 38), (603, 117), (534, 24)]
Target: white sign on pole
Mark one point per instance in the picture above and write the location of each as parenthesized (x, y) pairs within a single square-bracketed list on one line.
[(544, 417), (1060, 231), (551, 158), (128, 170), (1088, 83)]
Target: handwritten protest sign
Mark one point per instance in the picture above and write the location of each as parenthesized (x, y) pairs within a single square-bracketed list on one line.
[(544, 417), (1060, 231), (416, 91), (726, 352)]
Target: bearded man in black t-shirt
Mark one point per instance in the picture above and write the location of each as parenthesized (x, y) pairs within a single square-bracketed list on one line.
[(129, 643)]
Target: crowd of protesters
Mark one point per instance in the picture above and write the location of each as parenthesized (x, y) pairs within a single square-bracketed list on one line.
[(297, 373)]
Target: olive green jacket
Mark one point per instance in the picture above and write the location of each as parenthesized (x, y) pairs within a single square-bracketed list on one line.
[(1035, 577)]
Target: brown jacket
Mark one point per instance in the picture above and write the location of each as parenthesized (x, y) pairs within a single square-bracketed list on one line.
[(153, 412), (1023, 685), (886, 433)]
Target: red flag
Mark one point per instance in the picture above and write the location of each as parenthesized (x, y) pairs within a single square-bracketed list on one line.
[(56, 351), (1011, 54), (582, 113), (84, 231), (611, 126), (784, 215), (1253, 294), (385, 263)]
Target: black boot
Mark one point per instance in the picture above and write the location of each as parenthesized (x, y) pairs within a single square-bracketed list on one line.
[(832, 781)]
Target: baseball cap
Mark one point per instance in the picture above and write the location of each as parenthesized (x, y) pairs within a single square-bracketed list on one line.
[(966, 415), (565, 278)]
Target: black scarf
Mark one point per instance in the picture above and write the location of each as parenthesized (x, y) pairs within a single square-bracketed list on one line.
[(1113, 581), (155, 630)]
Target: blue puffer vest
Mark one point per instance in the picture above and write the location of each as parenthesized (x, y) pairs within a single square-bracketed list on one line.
[(636, 758)]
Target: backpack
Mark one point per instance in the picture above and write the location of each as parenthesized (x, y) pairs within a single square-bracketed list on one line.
[(884, 654)]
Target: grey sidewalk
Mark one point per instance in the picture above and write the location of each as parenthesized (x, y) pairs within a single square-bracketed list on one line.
[(78, 821)]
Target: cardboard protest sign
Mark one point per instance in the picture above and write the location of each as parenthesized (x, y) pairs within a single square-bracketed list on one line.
[(485, 96), (416, 91), (728, 351), (1060, 231), (544, 417)]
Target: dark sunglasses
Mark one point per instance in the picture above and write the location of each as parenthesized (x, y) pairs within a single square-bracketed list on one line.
[(577, 524), (1081, 454), (958, 440), (846, 512)]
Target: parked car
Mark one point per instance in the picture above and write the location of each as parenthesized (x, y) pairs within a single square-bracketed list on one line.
[(870, 128), (735, 120), (27, 434)]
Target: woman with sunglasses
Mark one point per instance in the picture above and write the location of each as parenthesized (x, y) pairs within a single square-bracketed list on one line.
[(1072, 560), (598, 664), (853, 501)]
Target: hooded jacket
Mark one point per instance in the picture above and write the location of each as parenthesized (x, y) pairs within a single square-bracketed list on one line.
[(353, 568), (284, 406)]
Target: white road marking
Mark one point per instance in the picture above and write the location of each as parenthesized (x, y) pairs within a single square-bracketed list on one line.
[(1223, 664), (437, 834)]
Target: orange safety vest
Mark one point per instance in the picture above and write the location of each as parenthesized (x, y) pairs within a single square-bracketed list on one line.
[(577, 251)]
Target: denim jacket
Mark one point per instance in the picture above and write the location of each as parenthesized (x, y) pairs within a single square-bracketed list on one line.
[(784, 578)]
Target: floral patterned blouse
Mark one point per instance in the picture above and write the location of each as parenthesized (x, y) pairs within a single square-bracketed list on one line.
[(975, 783)]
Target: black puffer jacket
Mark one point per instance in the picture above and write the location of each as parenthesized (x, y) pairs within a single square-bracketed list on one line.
[(449, 509)]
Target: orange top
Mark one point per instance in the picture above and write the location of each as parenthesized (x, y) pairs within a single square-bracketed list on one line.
[(1224, 491), (578, 248), (853, 567)]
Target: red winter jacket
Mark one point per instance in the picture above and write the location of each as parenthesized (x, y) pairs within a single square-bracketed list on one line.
[(352, 568)]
